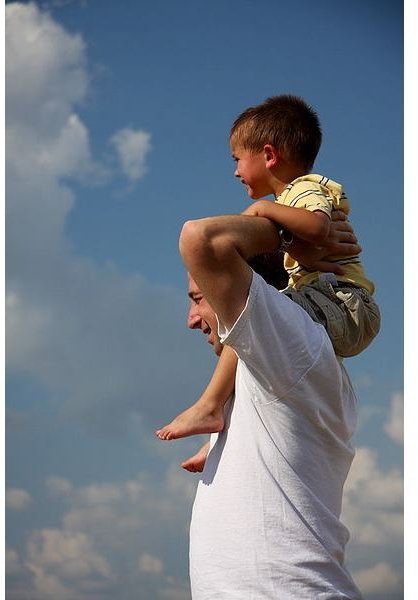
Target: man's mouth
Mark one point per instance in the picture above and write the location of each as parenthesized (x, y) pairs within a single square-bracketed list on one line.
[(208, 332)]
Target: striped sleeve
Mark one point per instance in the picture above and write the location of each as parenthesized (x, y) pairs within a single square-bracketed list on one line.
[(311, 196)]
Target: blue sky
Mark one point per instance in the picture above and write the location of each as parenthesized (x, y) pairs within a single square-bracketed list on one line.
[(116, 133)]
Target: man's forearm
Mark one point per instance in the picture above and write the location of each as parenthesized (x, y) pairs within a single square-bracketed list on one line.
[(216, 237), (215, 251)]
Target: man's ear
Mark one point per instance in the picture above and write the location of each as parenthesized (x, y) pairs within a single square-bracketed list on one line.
[(271, 156)]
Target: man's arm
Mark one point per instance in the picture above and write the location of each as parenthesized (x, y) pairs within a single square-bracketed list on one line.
[(215, 251), (341, 241)]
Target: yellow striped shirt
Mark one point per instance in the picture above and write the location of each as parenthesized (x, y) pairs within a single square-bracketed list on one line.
[(315, 192)]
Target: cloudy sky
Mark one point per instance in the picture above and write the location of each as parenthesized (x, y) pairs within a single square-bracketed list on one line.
[(116, 133)]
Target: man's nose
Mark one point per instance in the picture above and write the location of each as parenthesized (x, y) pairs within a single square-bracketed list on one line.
[(193, 319)]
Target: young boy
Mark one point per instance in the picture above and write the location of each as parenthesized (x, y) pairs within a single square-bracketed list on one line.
[(275, 145)]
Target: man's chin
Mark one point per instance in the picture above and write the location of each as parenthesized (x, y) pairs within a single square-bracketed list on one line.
[(217, 348)]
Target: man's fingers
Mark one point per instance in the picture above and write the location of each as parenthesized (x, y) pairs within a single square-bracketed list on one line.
[(341, 227), (350, 249), (338, 215), (346, 236)]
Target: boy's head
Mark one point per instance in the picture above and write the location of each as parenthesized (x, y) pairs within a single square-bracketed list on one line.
[(285, 122)]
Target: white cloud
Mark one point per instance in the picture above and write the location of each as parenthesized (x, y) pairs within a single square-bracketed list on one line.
[(132, 147), (17, 499), (59, 486), (92, 336), (394, 424), (174, 592), (109, 511), (382, 578), (373, 513), (101, 523), (63, 563), (373, 503), (47, 587), (96, 495), (89, 334), (13, 564), (150, 564), (45, 70), (69, 553), (378, 488)]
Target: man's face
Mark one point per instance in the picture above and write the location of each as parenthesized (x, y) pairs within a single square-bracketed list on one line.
[(201, 316)]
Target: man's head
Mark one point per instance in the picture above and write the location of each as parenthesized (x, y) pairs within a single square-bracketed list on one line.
[(287, 123), (201, 316)]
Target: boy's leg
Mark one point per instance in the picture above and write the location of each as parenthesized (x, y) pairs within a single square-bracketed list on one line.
[(195, 463), (348, 313), (207, 414)]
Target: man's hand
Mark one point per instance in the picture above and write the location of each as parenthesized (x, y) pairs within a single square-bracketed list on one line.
[(341, 241)]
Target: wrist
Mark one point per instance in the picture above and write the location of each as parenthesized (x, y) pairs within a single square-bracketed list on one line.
[(286, 238)]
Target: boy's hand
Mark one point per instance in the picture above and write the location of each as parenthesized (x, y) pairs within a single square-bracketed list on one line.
[(341, 241), (257, 209)]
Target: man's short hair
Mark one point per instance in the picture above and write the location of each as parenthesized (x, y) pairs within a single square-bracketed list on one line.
[(286, 122), (270, 267)]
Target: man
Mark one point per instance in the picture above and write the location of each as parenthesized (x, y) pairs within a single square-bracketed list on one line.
[(265, 521)]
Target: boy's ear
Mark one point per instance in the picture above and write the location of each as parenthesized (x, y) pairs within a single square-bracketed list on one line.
[(271, 156)]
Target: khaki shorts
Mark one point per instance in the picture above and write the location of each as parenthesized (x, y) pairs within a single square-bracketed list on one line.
[(348, 313)]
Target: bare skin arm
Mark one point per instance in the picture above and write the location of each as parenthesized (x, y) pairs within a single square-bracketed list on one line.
[(215, 250), (206, 415), (311, 226), (341, 241)]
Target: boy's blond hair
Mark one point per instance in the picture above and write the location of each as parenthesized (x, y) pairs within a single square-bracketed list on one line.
[(286, 122)]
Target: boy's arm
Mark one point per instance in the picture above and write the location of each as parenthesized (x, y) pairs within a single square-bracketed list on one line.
[(311, 226)]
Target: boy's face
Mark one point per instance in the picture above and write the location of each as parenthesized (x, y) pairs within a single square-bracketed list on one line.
[(252, 171)]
